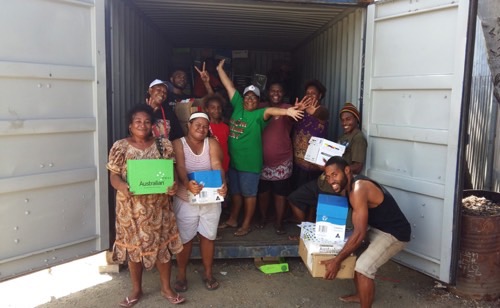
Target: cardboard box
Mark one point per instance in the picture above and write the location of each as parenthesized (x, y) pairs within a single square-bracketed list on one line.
[(312, 261), (320, 150), (211, 181), (150, 176), (271, 265), (331, 217)]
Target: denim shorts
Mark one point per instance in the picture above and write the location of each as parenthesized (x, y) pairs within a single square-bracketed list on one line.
[(244, 183)]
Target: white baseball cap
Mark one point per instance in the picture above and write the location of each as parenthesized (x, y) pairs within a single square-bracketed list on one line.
[(252, 88), (157, 82)]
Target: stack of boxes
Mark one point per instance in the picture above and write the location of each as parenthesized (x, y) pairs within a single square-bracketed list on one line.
[(323, 240)]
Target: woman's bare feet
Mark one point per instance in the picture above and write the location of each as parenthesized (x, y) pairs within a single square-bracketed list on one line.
[(352, 298)]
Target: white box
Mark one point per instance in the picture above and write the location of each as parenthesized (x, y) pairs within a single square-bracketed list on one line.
[(320, 150)]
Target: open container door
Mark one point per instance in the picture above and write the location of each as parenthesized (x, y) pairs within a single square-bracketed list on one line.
[(415, 55), (53, 132)]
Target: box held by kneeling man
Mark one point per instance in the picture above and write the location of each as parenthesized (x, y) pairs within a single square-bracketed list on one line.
[(312, 261), (331, 217), (150, 176), (211, 181), (320, 150)]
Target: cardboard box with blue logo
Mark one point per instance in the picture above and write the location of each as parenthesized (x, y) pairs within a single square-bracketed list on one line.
[(150, 176), (211, 181), (331, 217)]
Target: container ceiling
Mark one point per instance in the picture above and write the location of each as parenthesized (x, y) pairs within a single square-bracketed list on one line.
[(243, 24)]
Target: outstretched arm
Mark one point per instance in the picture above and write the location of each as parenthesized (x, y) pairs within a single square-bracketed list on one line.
[(292, 112), (228, 84)]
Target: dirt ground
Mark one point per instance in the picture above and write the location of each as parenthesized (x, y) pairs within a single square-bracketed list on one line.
[(243, 285)]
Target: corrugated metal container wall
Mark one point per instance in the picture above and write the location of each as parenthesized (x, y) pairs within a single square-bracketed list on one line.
[(263, 61), (139, 54), (482, 118), (336, 49)]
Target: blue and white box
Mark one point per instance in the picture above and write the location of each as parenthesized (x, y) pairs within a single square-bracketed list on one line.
[(331, 217), (211, 181)]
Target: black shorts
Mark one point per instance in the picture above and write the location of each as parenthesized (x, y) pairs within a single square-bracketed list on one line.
[(280, 188), (306, 196)]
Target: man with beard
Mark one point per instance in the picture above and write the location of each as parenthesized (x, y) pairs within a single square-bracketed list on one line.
[(184, 104), (377, 217)]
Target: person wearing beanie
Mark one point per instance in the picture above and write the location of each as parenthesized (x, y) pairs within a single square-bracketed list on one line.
[(352, 139), (304, 199)]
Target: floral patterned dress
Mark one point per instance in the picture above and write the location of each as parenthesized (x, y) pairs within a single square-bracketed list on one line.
[(146, 229)]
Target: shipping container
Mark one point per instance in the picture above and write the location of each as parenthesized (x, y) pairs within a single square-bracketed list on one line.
[(70, 70)]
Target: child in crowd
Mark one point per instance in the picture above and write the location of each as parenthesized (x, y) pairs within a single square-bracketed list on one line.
[(219, 130)]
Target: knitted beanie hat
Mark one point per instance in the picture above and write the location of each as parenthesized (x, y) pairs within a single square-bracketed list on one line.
[(348, 107)]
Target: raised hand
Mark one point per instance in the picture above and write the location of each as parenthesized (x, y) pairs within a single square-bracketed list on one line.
[(295, 113), (203, 73), (304, 103)]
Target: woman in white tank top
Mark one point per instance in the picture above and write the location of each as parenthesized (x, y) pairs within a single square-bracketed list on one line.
[(196, 152)]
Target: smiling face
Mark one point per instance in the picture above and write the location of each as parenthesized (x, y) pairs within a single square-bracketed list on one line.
[(179, 79), (141, 125), (336, 177), (198, 128), (214, 110), (349, 122), (276, 94), (250, 101), (313, 92), (158, 94)]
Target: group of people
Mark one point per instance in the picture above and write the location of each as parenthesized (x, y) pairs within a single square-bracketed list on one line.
[(260, 156)]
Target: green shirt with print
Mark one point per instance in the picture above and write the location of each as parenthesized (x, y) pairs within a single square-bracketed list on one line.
[(245, 136)]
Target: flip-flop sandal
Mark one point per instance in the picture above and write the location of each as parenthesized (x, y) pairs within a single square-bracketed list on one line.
[(181, 286), (279, 230), (242, 232), (225, 225), (174, 299), (127, 302), (210, 284), (260, 225)]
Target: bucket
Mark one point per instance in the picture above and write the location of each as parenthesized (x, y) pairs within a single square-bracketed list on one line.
[(478, 274)]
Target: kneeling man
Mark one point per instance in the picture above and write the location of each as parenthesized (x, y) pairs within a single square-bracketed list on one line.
[(376, 216)]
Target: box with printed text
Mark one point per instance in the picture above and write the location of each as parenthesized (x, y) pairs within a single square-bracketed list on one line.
[(320, 150), (331, 217), (150, 176), (211, 181)]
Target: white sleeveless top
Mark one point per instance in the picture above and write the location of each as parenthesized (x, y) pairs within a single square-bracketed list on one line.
[(194, 162)]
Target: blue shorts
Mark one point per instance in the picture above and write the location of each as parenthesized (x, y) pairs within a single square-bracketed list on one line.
[(244, 183)]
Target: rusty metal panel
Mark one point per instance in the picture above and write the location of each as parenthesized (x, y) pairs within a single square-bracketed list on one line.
[(482, 119), (334, 57), (140, 53)]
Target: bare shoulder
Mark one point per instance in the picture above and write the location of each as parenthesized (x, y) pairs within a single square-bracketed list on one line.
[(367, 191)]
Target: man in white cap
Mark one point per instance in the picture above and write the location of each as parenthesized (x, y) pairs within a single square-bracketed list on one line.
[(166, 123)]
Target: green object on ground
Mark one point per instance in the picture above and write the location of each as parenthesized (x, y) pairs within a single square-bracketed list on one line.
[(271, 265)]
